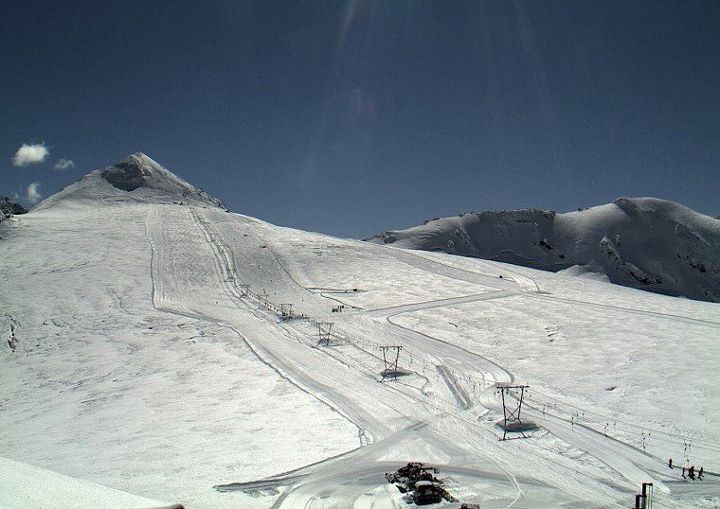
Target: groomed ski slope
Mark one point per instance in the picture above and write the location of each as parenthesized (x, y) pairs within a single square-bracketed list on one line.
[(140, 364)]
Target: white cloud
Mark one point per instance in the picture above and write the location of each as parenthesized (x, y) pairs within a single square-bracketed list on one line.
[(64, 164), (32, 193), (30, 154)]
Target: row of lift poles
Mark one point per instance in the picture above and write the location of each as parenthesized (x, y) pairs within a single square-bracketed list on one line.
[(512, 395), (512, 399), (391, 353)]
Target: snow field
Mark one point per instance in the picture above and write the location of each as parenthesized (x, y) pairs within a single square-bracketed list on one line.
[(592, 322), (140, 366), (105, 388)]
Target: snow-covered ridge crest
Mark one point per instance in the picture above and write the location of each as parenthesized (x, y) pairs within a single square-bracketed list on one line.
[(646, 243), (137, 178)]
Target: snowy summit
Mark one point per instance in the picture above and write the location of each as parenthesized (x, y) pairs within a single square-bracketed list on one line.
[(137, 178)]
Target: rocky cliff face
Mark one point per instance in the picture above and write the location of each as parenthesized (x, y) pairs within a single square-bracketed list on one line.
[(9, 208)]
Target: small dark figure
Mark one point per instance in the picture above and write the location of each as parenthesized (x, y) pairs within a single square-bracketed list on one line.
[(691, 472), (683, 474), (700, 473), (670, 463)]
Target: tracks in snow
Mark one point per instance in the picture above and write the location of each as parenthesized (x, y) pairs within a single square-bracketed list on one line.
[(12, 340), (287, 353), (357, 413)]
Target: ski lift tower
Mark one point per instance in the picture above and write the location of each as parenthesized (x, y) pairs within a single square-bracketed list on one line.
[(391, 354), (264, 298), (324, 333), (286, 310), (512, 400)]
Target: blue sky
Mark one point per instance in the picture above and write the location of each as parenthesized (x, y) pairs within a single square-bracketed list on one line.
[(354, 116)]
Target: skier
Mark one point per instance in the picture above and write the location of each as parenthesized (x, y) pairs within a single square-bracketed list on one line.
[(670, 463), (683, 474), (700, 474), (691, 472)]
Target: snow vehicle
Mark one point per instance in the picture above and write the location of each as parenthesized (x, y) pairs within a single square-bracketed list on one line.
[(408, 475), (427, 492), (420, 483)]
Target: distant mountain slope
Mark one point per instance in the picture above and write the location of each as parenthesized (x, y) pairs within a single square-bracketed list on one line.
[(646, 243), (9, 208), (137, 178)]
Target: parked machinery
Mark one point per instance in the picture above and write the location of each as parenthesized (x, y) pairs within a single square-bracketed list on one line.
[(420, 484)]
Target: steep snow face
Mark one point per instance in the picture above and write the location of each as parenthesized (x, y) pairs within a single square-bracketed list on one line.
[(138, 178), (645, 243)]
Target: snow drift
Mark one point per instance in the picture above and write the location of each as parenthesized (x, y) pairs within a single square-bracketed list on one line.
[(646, 243), (26, 486)]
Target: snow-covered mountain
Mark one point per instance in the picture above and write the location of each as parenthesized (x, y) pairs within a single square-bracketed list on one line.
[(644, 243), (136, 178), (152, 351)]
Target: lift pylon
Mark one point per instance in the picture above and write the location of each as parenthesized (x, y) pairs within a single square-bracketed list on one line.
[(264, 298), (391, 355), (512, 400), (324, 332)]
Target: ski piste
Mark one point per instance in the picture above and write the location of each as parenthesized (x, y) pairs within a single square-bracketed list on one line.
[(145, 360)]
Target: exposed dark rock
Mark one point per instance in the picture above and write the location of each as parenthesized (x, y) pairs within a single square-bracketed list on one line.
[(9, 208), (137, 178)]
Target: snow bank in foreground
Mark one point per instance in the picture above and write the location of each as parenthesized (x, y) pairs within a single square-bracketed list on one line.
[(25, 486)]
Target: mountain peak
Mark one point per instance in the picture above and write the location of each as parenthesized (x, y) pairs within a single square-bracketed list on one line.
[(139, 170), (137, 178)]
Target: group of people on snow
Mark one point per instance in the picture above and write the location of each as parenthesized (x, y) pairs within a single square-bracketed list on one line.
[(690, 471)]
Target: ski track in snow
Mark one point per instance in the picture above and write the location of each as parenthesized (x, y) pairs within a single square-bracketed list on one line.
[(443, 411), (225, 270), (614, 456), (586, 439)]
